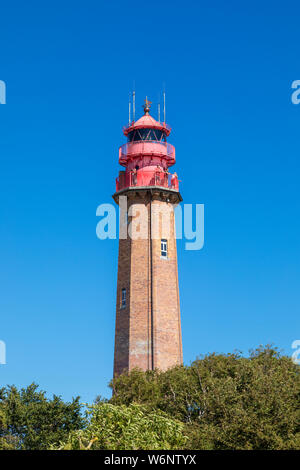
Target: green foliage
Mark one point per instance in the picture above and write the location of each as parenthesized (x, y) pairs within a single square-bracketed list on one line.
[(118, 427), (29, 420), (225, 401), (218, 402)]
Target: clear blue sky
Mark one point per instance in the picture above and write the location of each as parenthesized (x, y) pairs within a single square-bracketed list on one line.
[(68, 66)]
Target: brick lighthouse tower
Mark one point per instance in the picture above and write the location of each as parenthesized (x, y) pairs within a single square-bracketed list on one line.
[(148, 330)]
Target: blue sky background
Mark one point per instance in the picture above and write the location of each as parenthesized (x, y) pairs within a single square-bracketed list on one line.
[(68, 66)]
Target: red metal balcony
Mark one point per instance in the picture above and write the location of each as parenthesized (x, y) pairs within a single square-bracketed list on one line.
[(142, 178), (153, 148)]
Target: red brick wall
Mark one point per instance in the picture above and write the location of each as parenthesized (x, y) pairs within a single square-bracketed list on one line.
[(148, 331)]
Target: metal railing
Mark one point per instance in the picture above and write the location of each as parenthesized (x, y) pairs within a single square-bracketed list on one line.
[(142, 178), (146, 147)]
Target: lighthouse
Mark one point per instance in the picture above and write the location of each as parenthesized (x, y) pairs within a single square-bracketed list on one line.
[(148, 326)]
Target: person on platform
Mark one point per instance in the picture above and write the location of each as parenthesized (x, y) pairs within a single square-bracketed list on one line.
[(174, 179), (134, 176)]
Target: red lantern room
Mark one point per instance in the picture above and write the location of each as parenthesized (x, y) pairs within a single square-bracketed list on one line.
[(147, 155)]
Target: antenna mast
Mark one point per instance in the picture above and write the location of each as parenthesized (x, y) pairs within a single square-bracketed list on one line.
[(129, 109), (164, 106), (133, 104)]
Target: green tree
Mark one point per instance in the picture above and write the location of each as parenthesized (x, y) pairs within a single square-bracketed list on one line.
[(29, 420), (218, 402), (120, 427), (225, 401)]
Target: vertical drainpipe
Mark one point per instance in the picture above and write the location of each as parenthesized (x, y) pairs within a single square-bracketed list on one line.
[(151, 285)]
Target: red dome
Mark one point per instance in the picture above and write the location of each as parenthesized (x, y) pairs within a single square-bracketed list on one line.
[(147, 122)]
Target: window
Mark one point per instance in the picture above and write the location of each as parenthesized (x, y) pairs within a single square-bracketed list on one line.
[(147, 134), (164, 248), (123, 299)]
